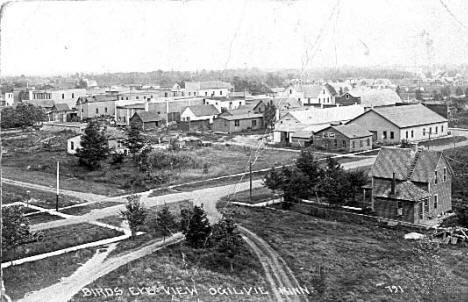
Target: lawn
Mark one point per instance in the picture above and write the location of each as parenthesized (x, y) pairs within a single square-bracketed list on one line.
[(40, 198), (345, 261), (259, 195), (32, 276), (184, 267), (42, 217), (60, 238), (81, 210)]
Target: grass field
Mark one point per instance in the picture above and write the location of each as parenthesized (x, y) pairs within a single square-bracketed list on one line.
[(60, 238), (258, 195), (42, 217), (39, 198), (32, 276), (355, 262), (180, 266), (81, 210)]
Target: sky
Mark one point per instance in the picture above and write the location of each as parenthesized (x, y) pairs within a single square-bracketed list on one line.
[(60, 37)]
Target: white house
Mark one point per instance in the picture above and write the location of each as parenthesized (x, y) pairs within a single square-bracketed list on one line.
[(311, 94), (225, 103), (67, 96), (391, 125), (312, 120), (115, 142), (208, 89), (199, 113), (8, 99)]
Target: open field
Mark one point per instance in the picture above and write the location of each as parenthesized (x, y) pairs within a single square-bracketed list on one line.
[(355, 262), (32, 276), (180, 266), (40, 198), (81, 210), (60, 238), (42, 217)]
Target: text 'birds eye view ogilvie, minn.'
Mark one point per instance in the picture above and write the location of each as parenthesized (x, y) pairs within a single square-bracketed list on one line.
[(251, 151)]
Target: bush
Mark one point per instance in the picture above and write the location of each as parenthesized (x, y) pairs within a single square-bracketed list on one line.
[(146, 181), (117, 158), (164, 160)]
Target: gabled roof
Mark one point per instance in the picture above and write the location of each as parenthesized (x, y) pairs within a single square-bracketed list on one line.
[(407, 164), (62, 107), (148, 116), (309, 90), (250, 107), (326, 115), (403, 191), (330, 89), (376, 97), (350, 131), (203, 110), (409, 115)]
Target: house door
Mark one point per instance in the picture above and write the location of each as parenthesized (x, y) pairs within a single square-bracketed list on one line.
[(374, 136)]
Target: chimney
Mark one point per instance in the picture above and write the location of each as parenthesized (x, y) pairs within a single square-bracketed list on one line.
[(392, 190)]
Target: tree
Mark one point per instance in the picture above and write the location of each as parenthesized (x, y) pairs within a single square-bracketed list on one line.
[(166, 222), (135, 141), (273, 180), (334, 184), (144, 159), (23, 116), (356, 179), (269, 116), (307, 163), (135, 213), (198, 228), (15, 227), (94, 146), (185, 217), (458, 91), (226, 240)]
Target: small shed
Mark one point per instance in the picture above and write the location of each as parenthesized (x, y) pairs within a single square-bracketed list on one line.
[(148, 120), (348, 138)]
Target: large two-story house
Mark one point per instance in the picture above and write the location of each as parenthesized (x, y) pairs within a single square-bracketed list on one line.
[(411, 185)]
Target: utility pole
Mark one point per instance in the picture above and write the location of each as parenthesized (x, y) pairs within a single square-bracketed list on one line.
[(58, 188), (250, 175)]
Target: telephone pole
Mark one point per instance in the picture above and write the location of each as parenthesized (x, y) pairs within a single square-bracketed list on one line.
[(58, 189), (250, 173)]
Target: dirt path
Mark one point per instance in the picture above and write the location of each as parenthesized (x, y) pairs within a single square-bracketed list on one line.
[(278, 274), (92, 270)]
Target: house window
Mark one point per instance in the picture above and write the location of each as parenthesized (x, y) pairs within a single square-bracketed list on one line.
[(436, 201), (335, 143), (354, 144), (435, 177), (343, 143), (442, 128), (73, 95), (165, 94), (137, 97), (126, 98), (445, 174), (392, 135), (236, 123), (290, 91), (368, 142), (407, 134), (194, 93), (254, 123), (206, 93), (72, 145), (331, 134), (63, 96), (220, 92), (412, 133), (430, 130), (426, 206), (399, 208), (97, 110), (385, 135), (105, 110), (436, 130), (360, 143)]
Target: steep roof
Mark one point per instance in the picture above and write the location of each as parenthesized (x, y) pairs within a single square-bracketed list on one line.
[(407, 164), (249, 107), (350, 131), (203, 110), (241, 116), (331, 89), (403, 191), (409, 115), (148, 116), (309, 90)]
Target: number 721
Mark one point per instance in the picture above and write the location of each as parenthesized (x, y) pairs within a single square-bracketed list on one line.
[(394, 289)]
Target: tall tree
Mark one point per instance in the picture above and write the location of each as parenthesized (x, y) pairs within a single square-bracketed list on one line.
[(144, 159), (23, 116), (198, 229), (135, 213), (226, 240), (94, 146), (356, 179), (135, 140), (269, 116), (166, 222), (185, 217), (15, 227), (273, 180)]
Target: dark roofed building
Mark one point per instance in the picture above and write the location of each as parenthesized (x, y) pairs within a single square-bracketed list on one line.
[(411, 185), (347, 138), (148, 120)]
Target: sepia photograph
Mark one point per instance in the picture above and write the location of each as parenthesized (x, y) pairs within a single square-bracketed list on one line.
[(234, 151)]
